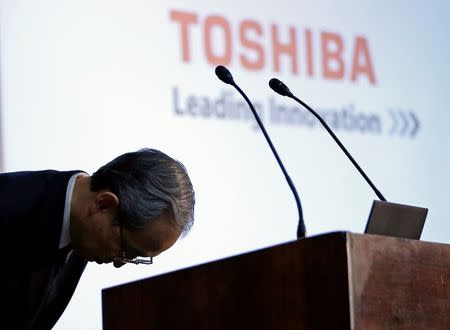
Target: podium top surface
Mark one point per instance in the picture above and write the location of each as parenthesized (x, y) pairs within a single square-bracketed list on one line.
[(338, 237)]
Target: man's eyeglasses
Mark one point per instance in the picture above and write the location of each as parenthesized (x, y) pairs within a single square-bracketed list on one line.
[(134, 260)]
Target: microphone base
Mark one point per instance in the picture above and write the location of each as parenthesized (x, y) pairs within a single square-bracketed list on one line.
[(396, 220)]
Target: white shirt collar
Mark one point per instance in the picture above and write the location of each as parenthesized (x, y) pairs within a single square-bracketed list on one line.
[(65, 231)]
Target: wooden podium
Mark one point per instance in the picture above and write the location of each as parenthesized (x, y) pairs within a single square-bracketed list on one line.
[(333, 281)]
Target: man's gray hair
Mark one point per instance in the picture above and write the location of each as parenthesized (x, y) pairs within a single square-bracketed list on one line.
[(148, 182)]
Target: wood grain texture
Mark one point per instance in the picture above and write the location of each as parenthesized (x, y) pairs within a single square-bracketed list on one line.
[(298, 285), (399, 283)]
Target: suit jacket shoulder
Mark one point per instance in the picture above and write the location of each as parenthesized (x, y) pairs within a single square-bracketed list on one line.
[(36, 282), (31, 214)]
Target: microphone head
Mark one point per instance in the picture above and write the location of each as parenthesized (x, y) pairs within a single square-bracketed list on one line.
[(279, 87), (223, 74)]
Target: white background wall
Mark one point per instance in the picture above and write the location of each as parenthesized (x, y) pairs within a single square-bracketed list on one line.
[(84, 81)]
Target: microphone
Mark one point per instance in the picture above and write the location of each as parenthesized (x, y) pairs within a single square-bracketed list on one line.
[(224, 75), (280, 88)]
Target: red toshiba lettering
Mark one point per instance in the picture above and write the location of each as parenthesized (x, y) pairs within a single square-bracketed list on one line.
[(309, 53), (185, 19), (289, 49), (320, 53), (362, 63), (332, 57), (245, 28), (221, 23)]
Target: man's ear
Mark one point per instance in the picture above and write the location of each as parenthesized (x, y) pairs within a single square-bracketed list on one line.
[(106, 200)]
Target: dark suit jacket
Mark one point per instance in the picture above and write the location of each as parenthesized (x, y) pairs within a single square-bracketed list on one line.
[(36, 277)]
